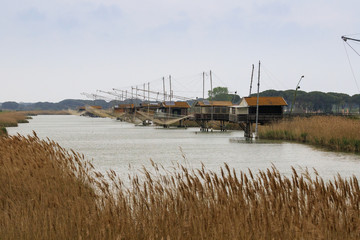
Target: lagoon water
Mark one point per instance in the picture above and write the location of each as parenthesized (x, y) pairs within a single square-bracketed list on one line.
[(111, 144)]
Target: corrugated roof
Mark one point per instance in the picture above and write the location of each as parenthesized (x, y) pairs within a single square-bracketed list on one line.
[(266, 101), (125, 106), (176, 105), (214, 104)]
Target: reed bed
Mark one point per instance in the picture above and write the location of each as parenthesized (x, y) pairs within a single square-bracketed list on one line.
[(331, 132), (47, 192), (11, 119)]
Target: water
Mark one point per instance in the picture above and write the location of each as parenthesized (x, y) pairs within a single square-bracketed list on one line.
[(116, 145)]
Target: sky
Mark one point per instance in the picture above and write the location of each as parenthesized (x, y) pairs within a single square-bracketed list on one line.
[(55, 50)]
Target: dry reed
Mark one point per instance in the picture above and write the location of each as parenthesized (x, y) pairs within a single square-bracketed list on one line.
[(331, 132), (47, 192), (11, 119)]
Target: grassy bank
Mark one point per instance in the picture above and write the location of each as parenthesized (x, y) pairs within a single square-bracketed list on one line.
[(49, 193), (333, 133), (12, 118)]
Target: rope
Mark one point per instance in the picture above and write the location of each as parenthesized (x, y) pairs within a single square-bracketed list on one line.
[(352, 70), (352, 48)]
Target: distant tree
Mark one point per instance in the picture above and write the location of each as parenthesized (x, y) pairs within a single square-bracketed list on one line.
[(10, 105), (222, 94), (355, 99)]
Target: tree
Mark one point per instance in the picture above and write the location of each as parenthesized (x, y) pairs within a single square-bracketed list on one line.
[(10, 105), (222, 94)]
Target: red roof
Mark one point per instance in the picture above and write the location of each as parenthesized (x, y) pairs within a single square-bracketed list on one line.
[(266, 101), (176, 105)]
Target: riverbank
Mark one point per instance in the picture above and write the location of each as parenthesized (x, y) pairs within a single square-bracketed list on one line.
[(330, 132), (13, 118), (49, 193)]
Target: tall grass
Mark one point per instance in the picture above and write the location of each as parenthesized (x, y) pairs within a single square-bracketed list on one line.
[(47, 192), (334, 133), (11, 119)]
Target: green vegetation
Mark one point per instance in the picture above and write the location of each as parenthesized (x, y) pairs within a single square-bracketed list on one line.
[(65, 104), (319, 101), (333, 133), (222, 94), (47, 192), (3, 131)]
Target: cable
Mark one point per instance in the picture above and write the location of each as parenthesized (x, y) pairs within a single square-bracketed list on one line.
[(352, 48), (272, 77), (352, 70)]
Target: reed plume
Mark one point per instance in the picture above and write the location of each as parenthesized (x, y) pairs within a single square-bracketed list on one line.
[(47, 192)]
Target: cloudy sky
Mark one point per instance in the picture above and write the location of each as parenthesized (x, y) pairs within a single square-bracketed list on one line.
[(53, 50)]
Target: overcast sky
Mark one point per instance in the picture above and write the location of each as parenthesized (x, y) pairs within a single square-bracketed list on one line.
[(53, 50)]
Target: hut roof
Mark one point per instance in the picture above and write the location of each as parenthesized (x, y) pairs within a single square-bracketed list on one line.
[(176, 105), (214, 103), (263, 101)]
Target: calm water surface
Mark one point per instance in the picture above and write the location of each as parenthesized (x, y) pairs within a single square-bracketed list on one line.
[(116, 145)]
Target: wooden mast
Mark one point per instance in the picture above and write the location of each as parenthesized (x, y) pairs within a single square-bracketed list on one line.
[(257, 104)]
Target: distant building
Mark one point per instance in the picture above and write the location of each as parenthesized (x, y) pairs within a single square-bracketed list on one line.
[(124, 108), (270, 108), (83, 108), (174, 108), (212, 110)]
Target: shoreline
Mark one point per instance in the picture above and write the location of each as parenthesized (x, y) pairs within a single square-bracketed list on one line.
[(334, 134)]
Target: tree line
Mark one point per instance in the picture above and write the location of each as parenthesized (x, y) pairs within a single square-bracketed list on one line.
[(316, 101)]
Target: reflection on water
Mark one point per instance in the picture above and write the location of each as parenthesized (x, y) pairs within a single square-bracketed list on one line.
[(113, 144)]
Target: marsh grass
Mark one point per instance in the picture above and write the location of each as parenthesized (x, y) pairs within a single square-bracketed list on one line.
[(331, 132), (12, 118), (47, 192)]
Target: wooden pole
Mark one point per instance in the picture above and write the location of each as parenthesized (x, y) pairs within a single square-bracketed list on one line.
[(211, 92), (144, 91), (136, 95), (164, 89), (257, 104), (211, 95), (170, 94), (251, 81), (203, 85), (148, 97)]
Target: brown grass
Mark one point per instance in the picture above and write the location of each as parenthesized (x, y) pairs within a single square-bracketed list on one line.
[(11, 119), (334, 133), (49, 193)]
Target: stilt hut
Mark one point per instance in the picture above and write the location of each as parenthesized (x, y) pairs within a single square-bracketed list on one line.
[(124, 108), (270, 108), (212, 110), (174, 108)]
